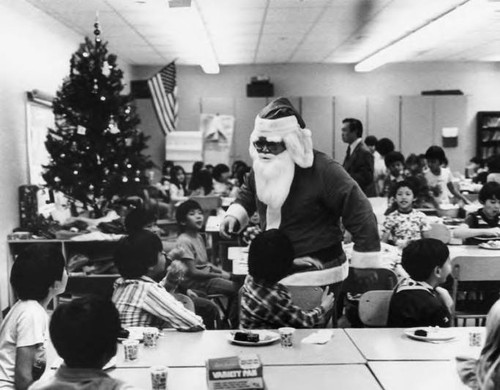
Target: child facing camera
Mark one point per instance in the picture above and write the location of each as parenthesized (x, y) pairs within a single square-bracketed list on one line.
[(84, 333), (484, 373), (418, 300), (201, 275), (265, 302), (405, 223), (485, 221), (37, 276)]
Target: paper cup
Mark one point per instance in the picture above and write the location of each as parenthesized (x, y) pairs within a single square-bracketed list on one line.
[(286, 337), (150, 337), (159, 377), (131, 349), (475, 339)]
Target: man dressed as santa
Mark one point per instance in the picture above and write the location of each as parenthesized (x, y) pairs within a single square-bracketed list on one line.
[(307, 195)]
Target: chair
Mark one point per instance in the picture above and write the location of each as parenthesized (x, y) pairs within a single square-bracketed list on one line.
[(359, 281), (374, 307), (473, 272)]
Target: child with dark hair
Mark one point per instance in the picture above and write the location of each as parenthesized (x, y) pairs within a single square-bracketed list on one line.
[(221, 183), (178, 185), (265, 302), (202, 276), (415, 176), (96, 324), (139, 297), (37, 276), (486, 220), (405, 223), (439, 177), (418, 300), (395, 163), (201, 183)]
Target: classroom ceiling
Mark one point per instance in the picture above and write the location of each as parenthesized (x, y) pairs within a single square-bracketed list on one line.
[(148, 32)]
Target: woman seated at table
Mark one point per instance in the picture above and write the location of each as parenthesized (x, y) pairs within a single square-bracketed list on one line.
[(485, 221)]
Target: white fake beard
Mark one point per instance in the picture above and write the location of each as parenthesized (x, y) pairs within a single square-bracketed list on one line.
[(273, 178)]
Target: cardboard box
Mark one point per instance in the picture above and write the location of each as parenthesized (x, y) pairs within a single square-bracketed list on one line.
[(235, 372)]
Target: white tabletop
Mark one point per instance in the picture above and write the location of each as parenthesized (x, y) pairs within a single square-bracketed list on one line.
[(471, 250), (180, 349), (344, 376), (428, 375), (393, 344)]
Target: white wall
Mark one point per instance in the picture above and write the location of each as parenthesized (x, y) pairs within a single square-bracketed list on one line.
[(36, 51), (479, 81)]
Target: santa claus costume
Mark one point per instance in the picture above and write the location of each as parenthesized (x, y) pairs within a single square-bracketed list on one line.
[(308, 196)]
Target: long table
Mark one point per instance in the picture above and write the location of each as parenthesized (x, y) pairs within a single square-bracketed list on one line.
[(324, 377), (377, 344), (180, 349)]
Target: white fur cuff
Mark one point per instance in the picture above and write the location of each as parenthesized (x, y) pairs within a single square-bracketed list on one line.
[(238, 211), (274, 129), (366, 260)]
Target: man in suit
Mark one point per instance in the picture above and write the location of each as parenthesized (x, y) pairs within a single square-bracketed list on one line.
[(358, 161)]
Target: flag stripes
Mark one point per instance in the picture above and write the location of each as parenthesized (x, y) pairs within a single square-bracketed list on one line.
[(163, 90)]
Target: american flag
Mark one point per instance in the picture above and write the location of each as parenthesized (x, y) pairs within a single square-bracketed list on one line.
[(163, 90)]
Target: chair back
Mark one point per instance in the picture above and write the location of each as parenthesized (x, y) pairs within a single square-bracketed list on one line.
[(373, 307), (185, 300), (439, 232), (361, 280), (465, 269), (306, 297)]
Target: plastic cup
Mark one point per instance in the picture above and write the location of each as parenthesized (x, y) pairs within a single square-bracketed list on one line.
[(159, 376), (475, 339), (131, 349), (286, 337), (150, 337)]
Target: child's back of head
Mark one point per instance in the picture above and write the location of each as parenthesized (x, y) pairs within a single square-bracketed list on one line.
[(36, 269), (85, 331), (270, 256), (136, 253), (421, 257)]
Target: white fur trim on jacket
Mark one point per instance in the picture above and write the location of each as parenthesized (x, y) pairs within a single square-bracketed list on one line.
[(273, 129), (366, 260), (238, 211), (321, 277)]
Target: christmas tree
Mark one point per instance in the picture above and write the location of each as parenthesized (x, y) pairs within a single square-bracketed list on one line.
[(95, 147)]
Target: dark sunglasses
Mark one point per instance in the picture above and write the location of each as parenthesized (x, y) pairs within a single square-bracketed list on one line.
[(263, 146)]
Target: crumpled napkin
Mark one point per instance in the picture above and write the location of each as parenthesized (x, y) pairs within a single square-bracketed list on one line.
[(320, 337)]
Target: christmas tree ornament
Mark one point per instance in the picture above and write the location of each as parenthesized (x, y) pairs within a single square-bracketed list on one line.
[(91, 187), (103, 98), (75, 172), (129, 166), (95, 88), (113, 126), (125, 179), (63, 155), (128, 141), (85, 54), (81, 130), (137, 179), (57, 179)]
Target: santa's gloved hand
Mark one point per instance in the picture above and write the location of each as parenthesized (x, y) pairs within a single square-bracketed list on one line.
[(250, 233)]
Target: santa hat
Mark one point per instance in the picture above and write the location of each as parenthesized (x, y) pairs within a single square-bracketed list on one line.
[(280, 121)]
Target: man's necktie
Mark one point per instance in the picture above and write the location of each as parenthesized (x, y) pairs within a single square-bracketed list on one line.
[(348, 154)]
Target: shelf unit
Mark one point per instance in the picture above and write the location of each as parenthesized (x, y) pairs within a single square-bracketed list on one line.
[(488, 134)]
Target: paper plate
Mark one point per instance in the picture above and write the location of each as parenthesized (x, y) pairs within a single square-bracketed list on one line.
[(433, 334), (485, 245), (265, 338)]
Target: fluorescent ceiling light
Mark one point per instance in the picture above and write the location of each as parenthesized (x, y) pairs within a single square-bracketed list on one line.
[(192, 32), (443, 26)]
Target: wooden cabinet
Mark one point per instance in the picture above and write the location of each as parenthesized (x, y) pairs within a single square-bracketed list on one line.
[(488, 134)]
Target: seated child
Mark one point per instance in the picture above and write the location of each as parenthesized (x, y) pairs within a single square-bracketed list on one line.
[(485, 221), (38, 275), (221, 183), (139, 298), (84, 333), (201, 275), (484, 373), (405, 223), (418, 300), (265, 302), (395, 163)]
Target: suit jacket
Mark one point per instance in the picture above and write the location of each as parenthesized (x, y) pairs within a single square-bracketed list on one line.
[(360, 166)]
